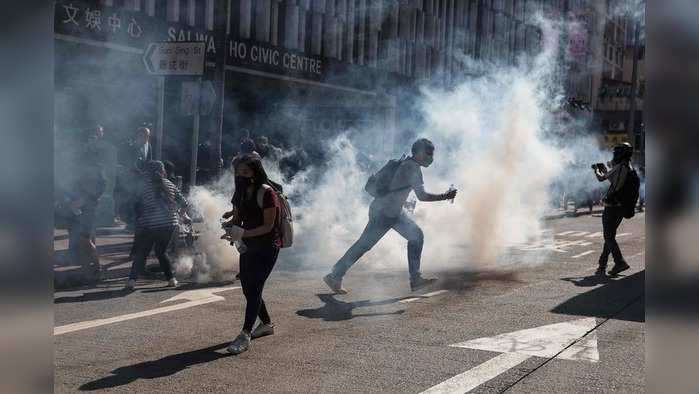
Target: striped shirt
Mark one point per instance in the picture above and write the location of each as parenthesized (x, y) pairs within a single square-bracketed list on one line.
[(153, 210)]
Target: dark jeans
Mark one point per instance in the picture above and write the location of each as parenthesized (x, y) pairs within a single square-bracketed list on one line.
[(255, 267), (611, 219), (144, 240), (377, 227)]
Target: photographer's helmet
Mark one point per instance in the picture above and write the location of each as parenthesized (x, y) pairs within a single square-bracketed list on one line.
[(623, 151)]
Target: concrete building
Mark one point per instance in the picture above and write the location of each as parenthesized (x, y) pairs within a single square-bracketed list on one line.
[(284, 68), (612, 78)]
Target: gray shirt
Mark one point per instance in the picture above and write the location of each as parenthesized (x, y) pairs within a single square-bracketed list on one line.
[(408, 176)]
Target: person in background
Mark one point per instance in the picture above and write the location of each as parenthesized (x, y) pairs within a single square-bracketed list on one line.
[(386, 213), (143, 152), (247, 148), (613, 212), (257, 226), (137, 154), (82, 199), (157, 203), (267, 150), (170, 170)]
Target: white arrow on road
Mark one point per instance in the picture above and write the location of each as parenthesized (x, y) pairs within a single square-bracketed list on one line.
[(573, 340), (193, 298)]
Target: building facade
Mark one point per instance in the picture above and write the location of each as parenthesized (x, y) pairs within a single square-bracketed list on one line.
[(339, 62)]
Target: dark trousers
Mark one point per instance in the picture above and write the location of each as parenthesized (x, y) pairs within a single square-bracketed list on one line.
[(611, 219), (255, 267), (377, 227), (144, 240)]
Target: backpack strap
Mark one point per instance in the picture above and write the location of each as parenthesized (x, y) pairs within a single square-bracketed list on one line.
[(261, 194), (402, 160)]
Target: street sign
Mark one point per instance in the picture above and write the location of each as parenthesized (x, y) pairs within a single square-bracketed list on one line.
[(175, 58)]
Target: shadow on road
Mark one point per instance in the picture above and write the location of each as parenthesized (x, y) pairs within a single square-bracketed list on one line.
[(467, 280), (93, 296), (189, 286), (621, 294), (163, 367), (336, 310)]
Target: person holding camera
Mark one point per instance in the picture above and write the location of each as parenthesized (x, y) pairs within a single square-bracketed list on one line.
[(613, 212)]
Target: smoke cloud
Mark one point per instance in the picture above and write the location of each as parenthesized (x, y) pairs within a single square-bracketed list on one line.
[(494, 142)]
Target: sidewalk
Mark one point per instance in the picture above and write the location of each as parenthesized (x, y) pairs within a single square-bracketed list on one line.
[(558, 213), (113, 245)]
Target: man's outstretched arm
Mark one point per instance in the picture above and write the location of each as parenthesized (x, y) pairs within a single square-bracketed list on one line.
[(422, 195)]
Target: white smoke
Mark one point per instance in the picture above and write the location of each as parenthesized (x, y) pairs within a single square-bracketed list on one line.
[(217, 259), (491, 142)]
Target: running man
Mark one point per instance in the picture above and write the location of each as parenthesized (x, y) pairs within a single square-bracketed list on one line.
[(386, 212)]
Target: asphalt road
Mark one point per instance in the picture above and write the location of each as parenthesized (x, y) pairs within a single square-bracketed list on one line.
[(380, 337)]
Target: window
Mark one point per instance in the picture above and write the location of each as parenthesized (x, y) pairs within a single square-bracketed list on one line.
[(192, 12), (173, 10), (134, 5), (150, 7)]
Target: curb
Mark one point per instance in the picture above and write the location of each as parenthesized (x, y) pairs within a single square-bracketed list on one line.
[(571, 214)]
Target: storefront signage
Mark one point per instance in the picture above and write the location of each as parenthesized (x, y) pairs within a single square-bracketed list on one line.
[(90, 20), (278, 60)]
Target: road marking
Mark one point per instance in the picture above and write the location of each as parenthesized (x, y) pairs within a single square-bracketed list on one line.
[(578, 233), (572, 340), (473, 378), (623, 234), (434, 293), (426, 295), (566, 233), (594, 235), (583, 254), (577, 242), (195, 297)]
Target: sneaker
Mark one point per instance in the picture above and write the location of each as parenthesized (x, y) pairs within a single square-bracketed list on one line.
[(601, 271), (240, 343), (334, 284), (130, 284), (420, 282), (172, 282), (262, 330), (619, 267)]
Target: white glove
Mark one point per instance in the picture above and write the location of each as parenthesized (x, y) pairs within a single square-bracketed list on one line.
[(234, 233)]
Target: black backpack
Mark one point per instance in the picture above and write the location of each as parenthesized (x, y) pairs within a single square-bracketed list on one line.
[(628, 194), (378, 185)]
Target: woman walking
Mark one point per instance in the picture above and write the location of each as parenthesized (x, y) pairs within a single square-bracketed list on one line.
[(157, 204), (256, 211)]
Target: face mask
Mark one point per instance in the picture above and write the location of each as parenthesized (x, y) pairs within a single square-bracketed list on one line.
[(242, 182)]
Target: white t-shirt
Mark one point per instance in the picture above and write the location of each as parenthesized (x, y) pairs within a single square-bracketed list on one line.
[(408, 177)]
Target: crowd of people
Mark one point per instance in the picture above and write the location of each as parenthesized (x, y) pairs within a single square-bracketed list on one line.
[(151, 202)]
